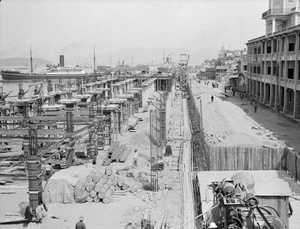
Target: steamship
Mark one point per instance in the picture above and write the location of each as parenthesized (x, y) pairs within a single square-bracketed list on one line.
[(51, 73)]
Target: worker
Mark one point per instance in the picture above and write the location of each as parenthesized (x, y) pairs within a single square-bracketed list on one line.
[(129, 226), (251, 99), (48, 171), (255, 107), (212, 225), (135, 157), (40, 212), (80, 224), (28, 213)]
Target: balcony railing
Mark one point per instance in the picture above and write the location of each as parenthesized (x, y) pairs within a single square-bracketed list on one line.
[(267, 13), (280, 11), (295, 9)]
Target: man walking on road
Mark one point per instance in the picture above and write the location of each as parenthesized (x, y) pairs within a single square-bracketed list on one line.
[(135, 157), (255, 107), (212, 98), (80, 224), (252, 99)]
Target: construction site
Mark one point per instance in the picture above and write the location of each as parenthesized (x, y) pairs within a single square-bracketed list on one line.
[(163, 150)]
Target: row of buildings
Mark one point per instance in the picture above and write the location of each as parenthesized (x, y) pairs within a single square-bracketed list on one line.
[(230, 68), (269, 69), (273, 59)]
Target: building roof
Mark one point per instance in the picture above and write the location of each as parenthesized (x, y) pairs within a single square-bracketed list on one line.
[(267, 182), (210, 69), (223, 67), (233, 76)]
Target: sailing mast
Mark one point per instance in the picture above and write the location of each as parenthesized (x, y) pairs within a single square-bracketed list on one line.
[(94, 61), (31, 67)]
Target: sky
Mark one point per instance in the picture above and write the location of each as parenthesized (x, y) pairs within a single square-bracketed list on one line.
[(74, 27)]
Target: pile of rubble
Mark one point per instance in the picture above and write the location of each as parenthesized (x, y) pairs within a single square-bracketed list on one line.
[(150, 196), (176, 118), (258, 135)]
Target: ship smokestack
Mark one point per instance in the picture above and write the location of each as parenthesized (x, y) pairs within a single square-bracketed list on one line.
[(61, 61)]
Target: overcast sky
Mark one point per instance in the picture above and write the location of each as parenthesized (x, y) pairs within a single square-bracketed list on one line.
[(53, 27)]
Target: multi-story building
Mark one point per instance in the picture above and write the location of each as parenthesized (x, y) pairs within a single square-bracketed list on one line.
[(230, 54), (273, 74)]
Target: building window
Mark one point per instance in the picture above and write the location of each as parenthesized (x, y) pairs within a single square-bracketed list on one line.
[(291, 47), (269, 70), (290, 73)]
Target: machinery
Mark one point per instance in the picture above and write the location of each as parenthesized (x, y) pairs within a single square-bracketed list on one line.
[(236, 207)]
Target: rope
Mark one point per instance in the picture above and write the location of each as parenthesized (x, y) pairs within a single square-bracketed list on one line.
[(196, 217)]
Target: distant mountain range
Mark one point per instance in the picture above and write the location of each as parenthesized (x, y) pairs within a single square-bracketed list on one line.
[(136, 55), (22, 62), (140, 55)]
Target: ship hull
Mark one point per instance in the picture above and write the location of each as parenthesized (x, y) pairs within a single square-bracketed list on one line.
[(6, 75)]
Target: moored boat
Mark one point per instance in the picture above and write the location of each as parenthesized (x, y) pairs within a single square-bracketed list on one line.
[(53, 72), (17, 75)]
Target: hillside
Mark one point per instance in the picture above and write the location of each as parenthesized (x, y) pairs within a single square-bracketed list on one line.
[(22, 62), (140, 55)]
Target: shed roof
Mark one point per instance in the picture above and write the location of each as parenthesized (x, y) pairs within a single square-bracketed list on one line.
[(223, 67)]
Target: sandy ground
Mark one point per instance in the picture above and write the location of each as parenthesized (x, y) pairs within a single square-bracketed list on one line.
[(226, 124)]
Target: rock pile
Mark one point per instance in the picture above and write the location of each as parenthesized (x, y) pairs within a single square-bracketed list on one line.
[(150, 196)]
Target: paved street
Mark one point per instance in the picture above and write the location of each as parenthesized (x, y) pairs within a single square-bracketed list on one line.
[(285, 128)]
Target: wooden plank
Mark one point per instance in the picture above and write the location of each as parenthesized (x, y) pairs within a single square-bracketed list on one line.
[(11, 118), (257, 158), (211, 158), (215, 161), (265, 153), (222, 158), (59, 118), (23, 132), (63, 113), (226, 159), (6, 147), (11, 140), (297, 168)]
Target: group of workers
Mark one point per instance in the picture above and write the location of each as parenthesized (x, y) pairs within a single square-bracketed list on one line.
[(41, 209), (40, 212)]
